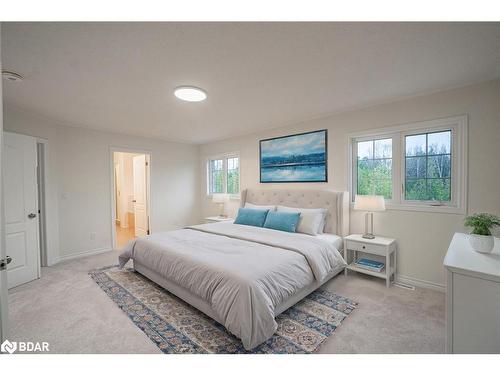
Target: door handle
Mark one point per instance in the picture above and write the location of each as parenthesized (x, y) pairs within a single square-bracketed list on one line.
[(31, 216), (4, 262), (133, 200)]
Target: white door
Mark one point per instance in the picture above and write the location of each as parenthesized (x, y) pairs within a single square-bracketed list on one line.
[(140, 196), (118, 194), (21, 208)]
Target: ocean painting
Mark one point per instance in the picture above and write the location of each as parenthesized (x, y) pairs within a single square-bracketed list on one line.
[(294, 158)]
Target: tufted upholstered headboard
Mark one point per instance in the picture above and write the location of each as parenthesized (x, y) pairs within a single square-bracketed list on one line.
[(336, 202)]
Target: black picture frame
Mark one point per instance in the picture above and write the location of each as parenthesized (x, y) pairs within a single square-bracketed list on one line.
[(325, 131)]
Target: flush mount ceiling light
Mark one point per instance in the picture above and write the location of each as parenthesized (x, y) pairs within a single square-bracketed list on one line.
[(12, 76), (190, 93)]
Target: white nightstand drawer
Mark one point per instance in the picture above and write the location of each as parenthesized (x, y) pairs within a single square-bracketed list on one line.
[(379, 246), (367, 247)]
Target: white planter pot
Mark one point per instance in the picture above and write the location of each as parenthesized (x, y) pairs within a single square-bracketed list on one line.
[(482, 244)]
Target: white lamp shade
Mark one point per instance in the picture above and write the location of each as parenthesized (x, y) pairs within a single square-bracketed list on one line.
[(369, 203), (220, 198)]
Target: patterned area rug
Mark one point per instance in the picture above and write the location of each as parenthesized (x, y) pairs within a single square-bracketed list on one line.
[(176, 327)]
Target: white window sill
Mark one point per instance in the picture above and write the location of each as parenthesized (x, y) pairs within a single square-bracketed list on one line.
[(423, 208), (235, 197)]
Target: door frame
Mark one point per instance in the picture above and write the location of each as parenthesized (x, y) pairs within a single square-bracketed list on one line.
[(112, 151), (46, 257), (4, 299)]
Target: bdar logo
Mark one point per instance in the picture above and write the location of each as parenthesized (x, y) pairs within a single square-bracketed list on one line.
[(8, 347), (24, 346)]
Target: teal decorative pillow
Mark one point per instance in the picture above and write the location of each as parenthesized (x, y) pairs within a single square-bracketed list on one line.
[(284, 221), (250, 216)]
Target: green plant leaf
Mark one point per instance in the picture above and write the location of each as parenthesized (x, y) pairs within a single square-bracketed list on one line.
[(482, 223)]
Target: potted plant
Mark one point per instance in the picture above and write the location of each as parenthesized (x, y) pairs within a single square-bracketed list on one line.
[(480, 238)]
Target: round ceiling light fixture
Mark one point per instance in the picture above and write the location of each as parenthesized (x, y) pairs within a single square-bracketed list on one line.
[(12, 76), (190, 93)]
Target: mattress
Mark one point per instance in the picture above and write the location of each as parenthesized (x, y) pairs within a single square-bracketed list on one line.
[(333, 239), (244, 275)]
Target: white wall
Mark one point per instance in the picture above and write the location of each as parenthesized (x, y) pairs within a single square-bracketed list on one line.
[(423, 237), (79, 173)]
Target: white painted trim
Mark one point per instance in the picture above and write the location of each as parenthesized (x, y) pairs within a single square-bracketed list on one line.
[(459, 125), (84, 253), (112, 150), (39, 250), (4, 298), (224, 156), (421, 283), (420, 208), (409, 126), (50, 252)]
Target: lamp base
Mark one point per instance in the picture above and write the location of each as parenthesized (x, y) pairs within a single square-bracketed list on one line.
[(368, 226), (222, 211)]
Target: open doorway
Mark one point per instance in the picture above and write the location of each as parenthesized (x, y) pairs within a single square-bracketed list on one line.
[(131, 192)]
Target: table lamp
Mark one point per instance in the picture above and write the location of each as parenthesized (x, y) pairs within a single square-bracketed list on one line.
[(221, 199), (369, 203)]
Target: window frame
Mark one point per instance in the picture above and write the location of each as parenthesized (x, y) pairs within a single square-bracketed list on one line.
[(224, 158), (458, 126), (354, 162)]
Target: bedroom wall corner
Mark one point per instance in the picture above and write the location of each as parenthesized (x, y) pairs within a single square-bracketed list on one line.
[(79, 207), (423, 237)]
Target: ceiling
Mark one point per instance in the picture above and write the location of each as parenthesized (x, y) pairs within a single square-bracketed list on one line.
[(120, 77)]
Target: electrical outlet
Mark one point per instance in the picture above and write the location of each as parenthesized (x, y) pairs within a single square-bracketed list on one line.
[(92, 236)]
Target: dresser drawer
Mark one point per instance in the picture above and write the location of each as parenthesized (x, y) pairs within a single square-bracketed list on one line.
[(366, 248)]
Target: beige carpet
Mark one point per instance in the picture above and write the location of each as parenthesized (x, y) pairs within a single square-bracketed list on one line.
[(67, 309)]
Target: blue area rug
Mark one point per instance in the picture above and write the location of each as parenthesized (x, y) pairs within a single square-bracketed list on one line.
[(176, 327)]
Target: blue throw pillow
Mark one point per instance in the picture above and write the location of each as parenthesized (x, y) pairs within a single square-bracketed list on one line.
[(284, 221), (251, 216)]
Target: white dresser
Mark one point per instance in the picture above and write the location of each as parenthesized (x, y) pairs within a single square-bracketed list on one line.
[(472, 298)]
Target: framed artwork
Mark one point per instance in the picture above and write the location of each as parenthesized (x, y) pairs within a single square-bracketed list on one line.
[(295, 158)]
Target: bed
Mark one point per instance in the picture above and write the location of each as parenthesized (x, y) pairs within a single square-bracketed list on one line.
[(244, 276)]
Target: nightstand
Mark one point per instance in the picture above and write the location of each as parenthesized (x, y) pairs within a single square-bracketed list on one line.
[(379, 247), (217, 219)]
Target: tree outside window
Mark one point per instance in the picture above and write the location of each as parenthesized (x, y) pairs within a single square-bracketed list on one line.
[(428, 166), (224, 175), (374, 167)]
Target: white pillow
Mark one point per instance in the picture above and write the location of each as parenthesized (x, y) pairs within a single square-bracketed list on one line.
[(312, 220), (257, 207)]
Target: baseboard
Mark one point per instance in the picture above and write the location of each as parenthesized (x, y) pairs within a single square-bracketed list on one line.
[(421, 283), (81, 254)]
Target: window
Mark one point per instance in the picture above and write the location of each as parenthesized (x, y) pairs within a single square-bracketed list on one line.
[(217, 176), (233, 175), (416, 166), (428, 166), (224, 174), (374, 167)]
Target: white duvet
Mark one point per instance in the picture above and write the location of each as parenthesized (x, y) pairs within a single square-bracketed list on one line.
[(242, 272)]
